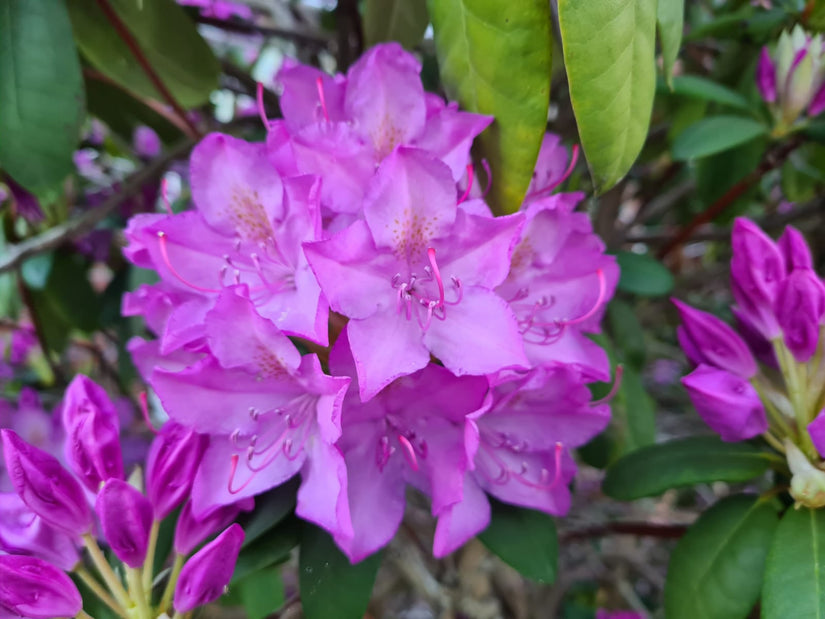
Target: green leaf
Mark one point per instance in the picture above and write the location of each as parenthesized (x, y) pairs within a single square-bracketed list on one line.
[(701, 88), (524, 539), (670, 15), (794, 575), (495, 58), (330, 585), (635, 413), (35, 271), (395, 20), (643, 275), (270, 509), (269, 549), (41, 92), (166, 36), (715, 571), (627, 332), (260, 593), (684, 462), (715, 135), (609, 49)]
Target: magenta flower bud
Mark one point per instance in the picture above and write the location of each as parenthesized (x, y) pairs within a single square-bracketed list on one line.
[(816, 429), (126, 519), (766, 76), (173, 458), (757, 269), (818, 102), (45, 486), (795, 250), (85, 397), (727, 403), (206, 574), (24, 532), (799, 307), (708, 340), (191, 531), (31, 587)]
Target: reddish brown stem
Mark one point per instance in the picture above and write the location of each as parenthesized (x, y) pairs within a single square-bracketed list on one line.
[(126, 36), (771, 161)]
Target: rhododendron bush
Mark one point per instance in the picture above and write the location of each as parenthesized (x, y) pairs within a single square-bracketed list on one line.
[(400, 308)]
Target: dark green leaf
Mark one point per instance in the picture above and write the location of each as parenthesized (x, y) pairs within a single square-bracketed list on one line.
[(35, 271), (627, 332), (270, 509), (670, 15), (395, 20), (166, 36), (634, 412), (700, 459), (643, 275), (715, 135), (269, 549), (609, 49), (261, 593), (525, 539), (715, 571), (477, 43), (330, 585), (41, 92), (794, 575), (701, 88)]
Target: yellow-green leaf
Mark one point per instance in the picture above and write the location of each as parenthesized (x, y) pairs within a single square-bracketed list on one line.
[(395, 20), (670, 16)]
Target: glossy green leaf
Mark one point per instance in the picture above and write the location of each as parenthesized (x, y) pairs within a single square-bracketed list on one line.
[(795, 571), (670, 15), (330, 585), (715, 571), (395, 20), (627, 332), (524, 539), (260, 593), (41, 92), (635, 413), (701, 88), (271, 548), (609, 49), (167, 37), (270, 509), (683, 462), (495, 58), (715, 135), (643, 275)]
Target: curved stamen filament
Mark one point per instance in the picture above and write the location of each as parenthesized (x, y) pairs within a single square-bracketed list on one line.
[(319, 84), (617, 383), (409, 452), (466, 193), (259, 99), (164, 194), (232, 472), (165, 254), (597, 304), (574, 156), (437, 275)]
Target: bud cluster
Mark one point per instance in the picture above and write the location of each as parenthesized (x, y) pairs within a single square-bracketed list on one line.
[(780, 314), (54, 512)]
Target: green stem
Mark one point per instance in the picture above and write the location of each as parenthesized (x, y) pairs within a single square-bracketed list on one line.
[(789, 369), (83, 615), (134, 578), (96, 588), (149, 564), (109, 577), (166, 600), (775, 414)]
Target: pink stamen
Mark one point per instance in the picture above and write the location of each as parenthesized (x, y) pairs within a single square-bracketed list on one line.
[(319, 83), (597, 304), (574, 157), (466, 193), (144, 411), (409, 452), (232, 472), (165, 254), (437, 275), (617, 383), (259, 98), (164, 193)]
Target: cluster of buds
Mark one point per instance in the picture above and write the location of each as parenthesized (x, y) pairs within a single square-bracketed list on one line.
[(793, 79), (342, 305), (55, 512), (780, 313)]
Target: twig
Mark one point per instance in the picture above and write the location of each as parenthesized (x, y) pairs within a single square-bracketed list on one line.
[(297, 36), (771, 161), (646, 529), (126, 35), (74, 228)]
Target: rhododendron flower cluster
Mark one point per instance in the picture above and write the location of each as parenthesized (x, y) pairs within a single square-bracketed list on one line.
[(342, 305), (780, 312), (54, 512)]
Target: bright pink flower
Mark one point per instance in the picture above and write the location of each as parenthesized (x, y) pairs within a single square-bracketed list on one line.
[(33, 588)]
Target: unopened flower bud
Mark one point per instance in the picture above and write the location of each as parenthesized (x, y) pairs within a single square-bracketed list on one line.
[(807, 481), (757, 269), (795, 250), (24, 532), (816, 430), (191, 531), (727, 403), (45, 486), (206, 574), (708, 340), (126, 519), (799, 307), (794, 82), (766, 76), (173, 458), (31, 587)]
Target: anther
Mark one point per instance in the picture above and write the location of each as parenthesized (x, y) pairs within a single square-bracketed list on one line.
[(164, 252)]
